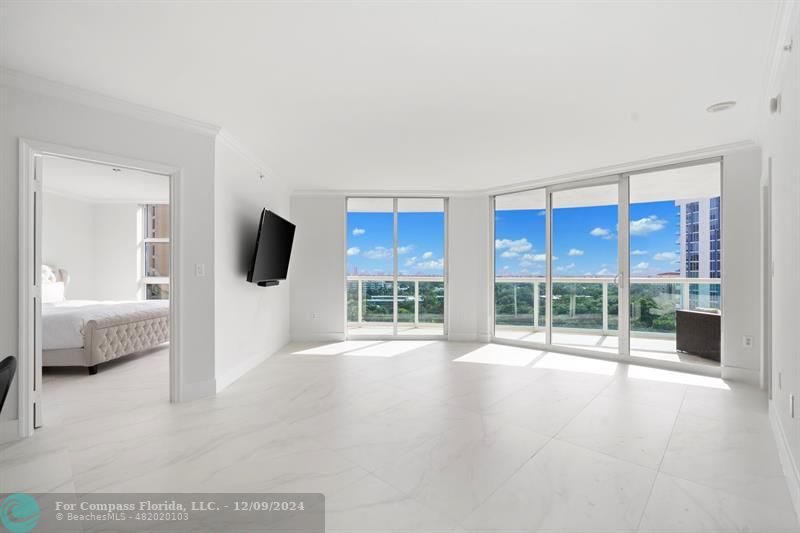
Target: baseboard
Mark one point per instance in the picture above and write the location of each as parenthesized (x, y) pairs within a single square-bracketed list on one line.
[(197, 390), (9, 431), (240, 370), (742, 375), (788, 463)]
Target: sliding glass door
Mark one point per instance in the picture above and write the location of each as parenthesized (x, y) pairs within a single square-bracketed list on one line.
[(627, 264), (585, 267), (676, 267), (396, 265)]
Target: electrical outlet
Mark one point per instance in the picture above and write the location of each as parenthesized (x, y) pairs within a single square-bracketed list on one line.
[(747, 341), (315, 316), (200, 270)]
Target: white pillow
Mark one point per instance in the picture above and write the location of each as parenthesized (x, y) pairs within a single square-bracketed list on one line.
[(53, 292), (48, 274)]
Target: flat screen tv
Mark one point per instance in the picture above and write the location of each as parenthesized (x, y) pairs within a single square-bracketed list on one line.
[(273, 249)]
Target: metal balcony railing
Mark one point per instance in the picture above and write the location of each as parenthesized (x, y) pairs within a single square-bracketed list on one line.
[(358, 283)]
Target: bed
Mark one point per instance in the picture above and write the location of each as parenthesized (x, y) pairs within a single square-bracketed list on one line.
[(88, 333)]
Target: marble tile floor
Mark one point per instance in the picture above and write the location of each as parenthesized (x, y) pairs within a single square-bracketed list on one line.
[(425, 436)]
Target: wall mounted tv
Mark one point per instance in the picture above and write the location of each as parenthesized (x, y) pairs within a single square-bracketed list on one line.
[(273, 249)]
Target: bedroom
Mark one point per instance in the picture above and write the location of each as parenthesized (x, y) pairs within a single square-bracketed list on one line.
[(105, 283)]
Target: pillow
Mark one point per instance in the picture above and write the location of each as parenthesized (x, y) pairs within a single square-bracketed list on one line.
[(53, 292), (48, 275)]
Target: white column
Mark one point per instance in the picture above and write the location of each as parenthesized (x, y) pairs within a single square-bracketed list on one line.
[(685, 295), (535, 304)]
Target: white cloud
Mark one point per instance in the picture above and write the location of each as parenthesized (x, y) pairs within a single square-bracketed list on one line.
[(603, 272), (639, 252), (644, 265), (353, 251), (359, 231), (647, 225), (566, 267), (575, 251), (518, 246), (434, 264), (379, 252), (665, 256), (509, 254), (429, 264), (529, 259), (534, 257), (604, 233), (427, 255), (402, 250)]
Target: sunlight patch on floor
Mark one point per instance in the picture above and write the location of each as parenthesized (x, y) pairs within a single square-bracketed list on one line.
[(337, 348), (573, 363), (389, 348), (494, 354)]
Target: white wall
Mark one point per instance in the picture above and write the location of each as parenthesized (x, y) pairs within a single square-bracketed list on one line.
[(780, 136), (118, 252), (469, 248), (741, 265), (62, 116), (318, 268), (68, 242), (251, 322)]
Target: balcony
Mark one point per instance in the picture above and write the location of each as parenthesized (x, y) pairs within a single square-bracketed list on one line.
[(420, 305), (585, 310)]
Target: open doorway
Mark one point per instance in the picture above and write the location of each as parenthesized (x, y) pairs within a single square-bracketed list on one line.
[(98, 239)]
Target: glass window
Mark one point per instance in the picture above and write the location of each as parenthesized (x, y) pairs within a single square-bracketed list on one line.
[(376, 227), (155, 250), (520, 259)]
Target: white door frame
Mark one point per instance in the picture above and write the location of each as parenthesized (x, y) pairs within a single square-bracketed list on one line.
[(30, 260)]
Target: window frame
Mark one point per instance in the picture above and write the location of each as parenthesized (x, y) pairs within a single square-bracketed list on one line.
[(145, 240)]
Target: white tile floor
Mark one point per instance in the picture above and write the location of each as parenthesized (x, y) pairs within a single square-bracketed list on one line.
[(660, 348), (426, 436)]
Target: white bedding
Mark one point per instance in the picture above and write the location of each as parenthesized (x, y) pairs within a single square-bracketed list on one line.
[(63, 322)]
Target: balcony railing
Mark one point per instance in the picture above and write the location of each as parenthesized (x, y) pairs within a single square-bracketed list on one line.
[(590, 303), (420, 299), (579, 303)]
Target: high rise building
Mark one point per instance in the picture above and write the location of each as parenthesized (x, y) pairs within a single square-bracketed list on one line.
[(699, 239)]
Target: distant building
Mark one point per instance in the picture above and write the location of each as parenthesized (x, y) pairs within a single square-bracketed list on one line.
[(699, 240)]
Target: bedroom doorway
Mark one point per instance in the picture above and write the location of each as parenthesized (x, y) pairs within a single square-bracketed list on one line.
[(97, 280)]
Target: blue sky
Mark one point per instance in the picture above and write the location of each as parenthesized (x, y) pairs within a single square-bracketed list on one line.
[(585, 240), (420, 243)]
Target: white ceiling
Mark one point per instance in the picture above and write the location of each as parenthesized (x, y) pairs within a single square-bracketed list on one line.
[(94, 182), (418, 95)]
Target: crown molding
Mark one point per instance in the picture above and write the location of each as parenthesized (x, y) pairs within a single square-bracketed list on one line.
[(28, 82), (633, 166)]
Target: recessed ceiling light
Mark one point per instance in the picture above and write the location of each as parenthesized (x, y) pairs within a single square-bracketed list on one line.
[(721, 106), (116, 169)]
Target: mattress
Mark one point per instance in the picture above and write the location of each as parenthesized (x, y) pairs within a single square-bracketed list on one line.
[(63, 322)]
